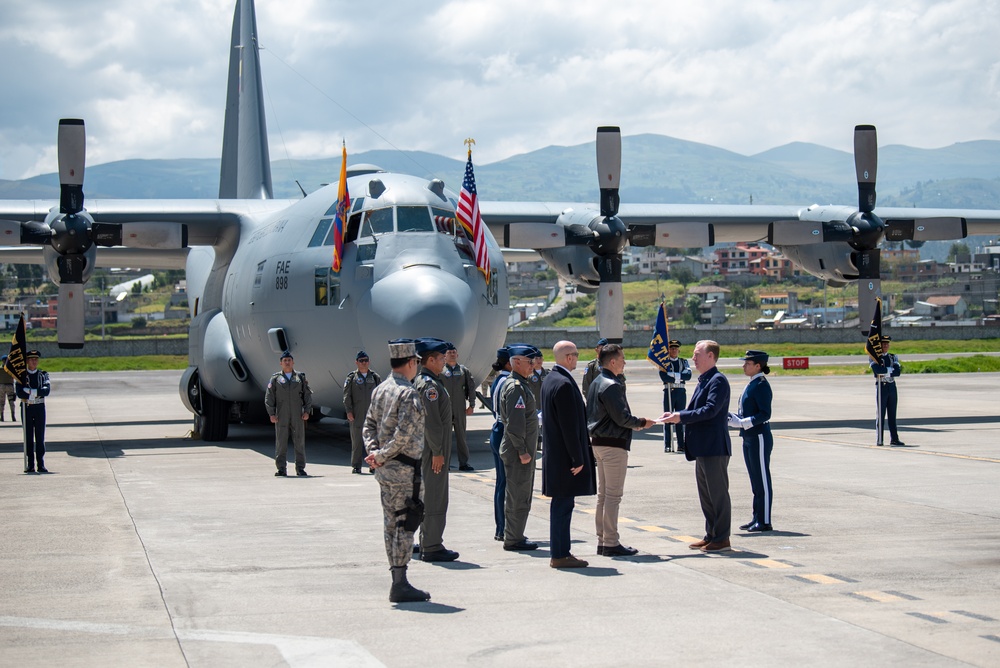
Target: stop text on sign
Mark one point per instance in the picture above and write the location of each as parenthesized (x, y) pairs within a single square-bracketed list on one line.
[(796, 363)]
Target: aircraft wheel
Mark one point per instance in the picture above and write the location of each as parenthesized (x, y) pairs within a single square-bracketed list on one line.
[(214, 417)]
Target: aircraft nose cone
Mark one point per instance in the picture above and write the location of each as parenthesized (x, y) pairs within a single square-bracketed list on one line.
[(418, 302)]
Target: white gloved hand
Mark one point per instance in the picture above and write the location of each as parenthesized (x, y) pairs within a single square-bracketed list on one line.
[(746, 422), (734, 421)]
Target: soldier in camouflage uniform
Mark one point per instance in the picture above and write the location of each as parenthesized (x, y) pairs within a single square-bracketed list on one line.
[(358, 388), (394, 438), (462, 390), (516, 410), (288, 400), (437, 449)]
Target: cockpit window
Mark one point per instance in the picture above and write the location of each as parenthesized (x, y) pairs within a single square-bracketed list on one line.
[(413, 219), (321, 231), (377, 221), (444, 220)]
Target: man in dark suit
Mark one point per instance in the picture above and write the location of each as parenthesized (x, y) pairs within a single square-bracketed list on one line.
[(568, 468), (706, 437)]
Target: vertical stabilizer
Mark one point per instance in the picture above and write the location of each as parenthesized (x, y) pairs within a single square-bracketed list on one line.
[(246, 166)]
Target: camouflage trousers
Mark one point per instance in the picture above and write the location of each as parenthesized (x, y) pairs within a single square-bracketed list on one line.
[(395, 482)]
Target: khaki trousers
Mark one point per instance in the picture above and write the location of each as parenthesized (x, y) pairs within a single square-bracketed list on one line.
[(612, 463)]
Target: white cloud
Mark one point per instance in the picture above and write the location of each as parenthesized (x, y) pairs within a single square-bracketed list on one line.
[(149, 77)]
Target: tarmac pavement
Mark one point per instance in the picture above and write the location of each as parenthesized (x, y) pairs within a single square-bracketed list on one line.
[(146, 548)]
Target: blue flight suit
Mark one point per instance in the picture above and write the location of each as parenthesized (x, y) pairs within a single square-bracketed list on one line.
[(753, 419), (675, 397), (886, 373)]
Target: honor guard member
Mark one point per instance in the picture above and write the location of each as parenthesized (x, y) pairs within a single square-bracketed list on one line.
[(517, 412), (32, 396), (7, 394), (462, 389), (593, 369), (394, 439), (674, 395), (886, 374), (752, 419), (501, 369), (358, 388), (437, 448), (288, 400)]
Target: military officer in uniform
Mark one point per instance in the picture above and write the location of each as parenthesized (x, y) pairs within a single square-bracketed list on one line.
[(462, 389), (517, 411), (7, 394), (674, 395), (593, 369), (288, 400), (501, 370), (32, 396), (752, 418), (437, 448), (394, 439), (358, 388), (886, 373)]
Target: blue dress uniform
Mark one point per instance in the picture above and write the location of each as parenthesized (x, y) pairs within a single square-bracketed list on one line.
[(886, 374), (32, 396), (752, 418), (674, 394), (496, 436)]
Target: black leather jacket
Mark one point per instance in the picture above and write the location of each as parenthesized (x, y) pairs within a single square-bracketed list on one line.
[(609, 418)]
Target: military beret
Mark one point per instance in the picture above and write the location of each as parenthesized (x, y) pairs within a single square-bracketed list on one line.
[(521, 350), (361, 355), (32, 354), (400, 348), (286, 354), (602, 342), (758, 356), (673, 343), (426, 346)]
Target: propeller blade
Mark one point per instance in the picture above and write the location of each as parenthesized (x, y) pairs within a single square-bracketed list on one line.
[(866, 165), (869, 283), (609, 167), (610, 299), (70, 321), (72, 157)]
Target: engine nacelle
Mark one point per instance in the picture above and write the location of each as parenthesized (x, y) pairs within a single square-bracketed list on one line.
[(829, 261)]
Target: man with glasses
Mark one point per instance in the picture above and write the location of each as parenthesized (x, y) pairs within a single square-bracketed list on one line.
[(517, 411), (358, 388)]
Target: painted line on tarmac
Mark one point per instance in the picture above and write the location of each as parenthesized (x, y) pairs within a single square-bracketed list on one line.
[(972, 615), (888, 448), (821, 578), (928, 618), (768, 563), (305, 651), (881, 596)]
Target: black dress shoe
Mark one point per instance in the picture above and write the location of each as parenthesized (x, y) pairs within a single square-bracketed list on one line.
[(356, 469), (301, 472), (499, 536), (600, 550), (42, 469), (896, 441), (443, 554), (620, 551), (280, 473), (465, 467), (759, 527), (523, 546), (29, 470), (744, 527)]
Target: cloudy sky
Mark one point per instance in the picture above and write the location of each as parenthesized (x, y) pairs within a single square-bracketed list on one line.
[(149, 77)]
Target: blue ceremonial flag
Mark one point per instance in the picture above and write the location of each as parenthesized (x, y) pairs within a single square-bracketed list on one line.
[(658, 351), (873, 346), (15, 363)]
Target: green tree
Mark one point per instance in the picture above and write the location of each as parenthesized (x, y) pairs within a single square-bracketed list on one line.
[(958, 248), (682, 275), (692, 310)]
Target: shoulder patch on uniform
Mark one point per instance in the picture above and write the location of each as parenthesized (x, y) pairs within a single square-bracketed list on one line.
[(269, 385), (431, 393), (520, 402), (359, 379)]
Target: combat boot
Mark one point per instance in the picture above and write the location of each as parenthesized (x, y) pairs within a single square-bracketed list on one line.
[(402, 591)]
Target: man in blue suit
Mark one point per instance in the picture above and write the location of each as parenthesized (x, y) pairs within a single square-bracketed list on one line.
[(706, 439)]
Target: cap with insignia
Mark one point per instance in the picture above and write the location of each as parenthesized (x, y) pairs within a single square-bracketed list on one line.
[(602, 342), (32, 355), (286, 354), (362, 355), (400, 348), (426, 346), (758, 356), (521, 350), (451, 346), (886, 337), (503, 355), (674, 343), (535, 352)]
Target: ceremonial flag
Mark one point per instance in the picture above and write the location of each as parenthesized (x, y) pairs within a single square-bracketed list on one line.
[(873, 346), (658, 350), (340, 221), (468, 216), (16, 365)]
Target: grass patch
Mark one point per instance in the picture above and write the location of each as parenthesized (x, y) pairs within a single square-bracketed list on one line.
[(137, 363)]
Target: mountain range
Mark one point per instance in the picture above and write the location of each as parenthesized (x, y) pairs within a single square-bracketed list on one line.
[(655, 169)]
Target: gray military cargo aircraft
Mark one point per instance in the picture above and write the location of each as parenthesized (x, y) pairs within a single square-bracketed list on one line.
[(259, 270)]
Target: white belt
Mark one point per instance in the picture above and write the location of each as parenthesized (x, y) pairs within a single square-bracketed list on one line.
[(35, 401), (673, 386)]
